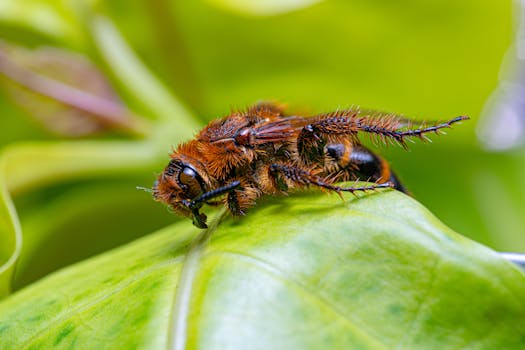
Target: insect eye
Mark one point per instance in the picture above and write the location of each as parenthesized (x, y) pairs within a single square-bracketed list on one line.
[(190, 182)]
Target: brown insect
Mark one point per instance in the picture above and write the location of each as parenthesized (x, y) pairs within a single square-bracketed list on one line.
[(264, 151)]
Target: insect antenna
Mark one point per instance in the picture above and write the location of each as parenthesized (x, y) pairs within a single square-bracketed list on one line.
[(145, 189)]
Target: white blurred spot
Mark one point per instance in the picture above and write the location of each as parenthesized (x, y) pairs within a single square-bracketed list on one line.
[(502, 125)]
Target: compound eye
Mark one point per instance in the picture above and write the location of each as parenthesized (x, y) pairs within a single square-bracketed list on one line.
[(190, 182)]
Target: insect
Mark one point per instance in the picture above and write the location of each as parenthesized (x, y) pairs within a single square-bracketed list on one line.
[(264, 151)]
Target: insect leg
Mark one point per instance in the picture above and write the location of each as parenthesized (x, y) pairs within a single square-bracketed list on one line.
[(240, 200), (303, 178), (343, 160), (399, 135), (386, 127), (199, 219), (233, 203)]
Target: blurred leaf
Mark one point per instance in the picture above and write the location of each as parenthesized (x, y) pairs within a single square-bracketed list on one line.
[(30, 21), (307, 271), (35, 164), (25, 166), (264, 7), (65, 91), (138, 81), (94, 217)]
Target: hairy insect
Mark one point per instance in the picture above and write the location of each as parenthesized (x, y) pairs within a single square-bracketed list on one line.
[(263, 150)]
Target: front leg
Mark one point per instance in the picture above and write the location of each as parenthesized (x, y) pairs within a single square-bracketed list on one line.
[(194, 205)]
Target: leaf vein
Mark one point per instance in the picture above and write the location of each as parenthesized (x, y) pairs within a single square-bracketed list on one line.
[(280, 274), (421, 305), (69, 312)]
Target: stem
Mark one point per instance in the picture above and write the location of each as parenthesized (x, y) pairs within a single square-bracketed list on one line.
[(34, 164), (10, 234)]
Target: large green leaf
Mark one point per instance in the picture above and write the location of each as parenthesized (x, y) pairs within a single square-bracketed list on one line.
[(305, 271)]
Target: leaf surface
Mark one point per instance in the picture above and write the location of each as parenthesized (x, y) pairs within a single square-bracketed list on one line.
[(305, 271)]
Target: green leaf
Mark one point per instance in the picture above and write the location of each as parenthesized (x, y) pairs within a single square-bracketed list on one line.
[(305, 271), (54, 241), (136, 78), (26, 165), (36, 20), (65, 92)]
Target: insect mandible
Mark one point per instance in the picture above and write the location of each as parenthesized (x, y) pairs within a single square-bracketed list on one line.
[(264, 151)]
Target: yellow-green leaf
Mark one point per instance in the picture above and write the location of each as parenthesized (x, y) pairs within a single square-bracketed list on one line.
[(304, 271)]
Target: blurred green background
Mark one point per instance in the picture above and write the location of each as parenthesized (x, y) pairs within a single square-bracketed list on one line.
[(424, 59)]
